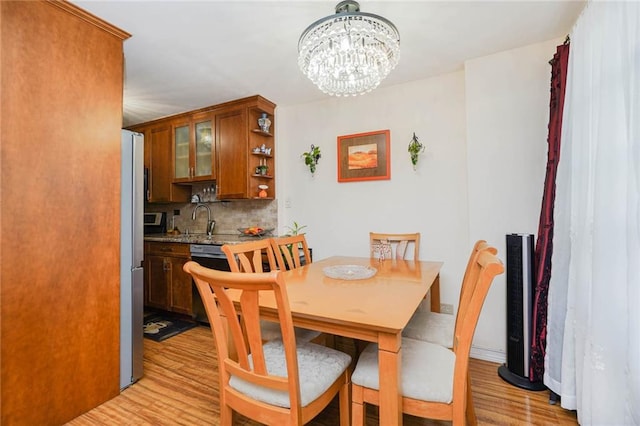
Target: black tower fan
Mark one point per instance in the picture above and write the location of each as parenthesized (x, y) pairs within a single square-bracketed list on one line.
[(520, 297)]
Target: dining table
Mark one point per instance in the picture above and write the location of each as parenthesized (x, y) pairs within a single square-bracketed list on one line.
[(336, 296)]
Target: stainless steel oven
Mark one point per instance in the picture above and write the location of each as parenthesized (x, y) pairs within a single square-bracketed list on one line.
[(210, 256)]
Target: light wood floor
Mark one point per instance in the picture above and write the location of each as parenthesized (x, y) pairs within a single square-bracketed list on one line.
[(180, 385)]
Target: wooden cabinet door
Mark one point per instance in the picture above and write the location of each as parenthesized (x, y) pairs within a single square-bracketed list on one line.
[(181, 167), (181, 287), (157, 284), (160, 175), (159, 164), (232, 148), (193, 149), (203, 148)]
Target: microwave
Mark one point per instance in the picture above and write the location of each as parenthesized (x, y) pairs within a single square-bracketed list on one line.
[(155, 223)]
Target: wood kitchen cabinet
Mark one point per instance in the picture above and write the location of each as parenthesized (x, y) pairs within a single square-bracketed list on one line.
[(61, 115), (217, 143), (232, 154), (238, 137), (257, 157), (158, 163), (194, 148), (166, 285)]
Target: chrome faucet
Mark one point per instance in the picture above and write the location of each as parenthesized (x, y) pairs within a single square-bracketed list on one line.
[(210, 223)]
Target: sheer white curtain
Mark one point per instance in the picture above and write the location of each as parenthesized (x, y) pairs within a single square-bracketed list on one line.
[(593, 344)]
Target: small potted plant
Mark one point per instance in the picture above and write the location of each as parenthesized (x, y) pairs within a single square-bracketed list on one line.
[(295, 229), (415, 149), (311, 158), (262, 169)]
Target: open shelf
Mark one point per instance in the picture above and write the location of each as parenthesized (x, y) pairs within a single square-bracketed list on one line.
[(260, 132)]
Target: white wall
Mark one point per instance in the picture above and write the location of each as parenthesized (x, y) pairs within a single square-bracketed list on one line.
[(507, 117), (431, 200), (475, 124)]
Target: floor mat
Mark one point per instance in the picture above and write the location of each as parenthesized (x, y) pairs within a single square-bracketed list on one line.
[(159, 327)]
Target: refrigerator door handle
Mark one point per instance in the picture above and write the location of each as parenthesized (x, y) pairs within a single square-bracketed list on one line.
[(138, 199)]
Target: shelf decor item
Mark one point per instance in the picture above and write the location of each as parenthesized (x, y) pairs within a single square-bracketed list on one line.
[(415, 149), (264, 122), (263, 191), (311, 158)]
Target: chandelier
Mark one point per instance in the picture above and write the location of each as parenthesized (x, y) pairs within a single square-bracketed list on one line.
[(348, 53)]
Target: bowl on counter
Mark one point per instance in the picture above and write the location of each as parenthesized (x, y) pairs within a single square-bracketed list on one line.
[(255, 231)]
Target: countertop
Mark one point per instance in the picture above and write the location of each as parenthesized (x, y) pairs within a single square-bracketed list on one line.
[(204, 238)]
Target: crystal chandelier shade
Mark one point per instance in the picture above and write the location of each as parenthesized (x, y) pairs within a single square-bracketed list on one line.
[(348, 53)]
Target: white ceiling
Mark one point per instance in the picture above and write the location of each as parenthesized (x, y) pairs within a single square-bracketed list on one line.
[(185, 55)]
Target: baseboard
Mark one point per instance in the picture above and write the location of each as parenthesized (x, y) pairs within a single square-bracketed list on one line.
[(488, 355)]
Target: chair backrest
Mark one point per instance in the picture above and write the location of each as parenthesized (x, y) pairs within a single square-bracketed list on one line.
[(250, 256), (485, 267), (393, 245), (287, 251), (243, 325), (470, 273)]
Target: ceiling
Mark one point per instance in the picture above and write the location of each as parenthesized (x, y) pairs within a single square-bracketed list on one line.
[(185, 55)]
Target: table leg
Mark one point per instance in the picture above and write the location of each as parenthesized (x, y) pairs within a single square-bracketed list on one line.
[(390, 365), (435, 294)]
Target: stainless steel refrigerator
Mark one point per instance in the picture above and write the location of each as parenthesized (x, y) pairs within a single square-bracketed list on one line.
[(132, 254)]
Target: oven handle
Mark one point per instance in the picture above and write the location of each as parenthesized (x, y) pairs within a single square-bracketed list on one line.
[(195, 256)]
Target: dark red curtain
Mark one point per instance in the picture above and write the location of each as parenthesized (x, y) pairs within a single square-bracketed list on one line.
[(544, 244)]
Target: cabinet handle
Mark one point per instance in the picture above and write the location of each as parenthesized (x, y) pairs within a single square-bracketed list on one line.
[(166, 266)]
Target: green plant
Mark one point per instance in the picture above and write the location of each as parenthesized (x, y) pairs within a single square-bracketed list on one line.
[(295, 229), (415, 149), (311, 158)]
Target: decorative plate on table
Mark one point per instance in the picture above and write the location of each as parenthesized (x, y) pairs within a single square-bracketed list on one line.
[(254, 231), (349, 272)]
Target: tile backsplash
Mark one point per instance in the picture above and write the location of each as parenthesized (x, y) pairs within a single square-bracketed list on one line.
[(229, 215)]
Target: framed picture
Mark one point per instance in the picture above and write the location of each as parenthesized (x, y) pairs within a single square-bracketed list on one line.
[(364, 156)]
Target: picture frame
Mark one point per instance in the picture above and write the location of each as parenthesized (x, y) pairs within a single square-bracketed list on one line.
[(364, 156)]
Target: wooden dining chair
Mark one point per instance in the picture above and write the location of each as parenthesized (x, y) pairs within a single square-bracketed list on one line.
[(280, 382), (436, 327), (389, 246), (250, 256), (435, 380), (287, 251)]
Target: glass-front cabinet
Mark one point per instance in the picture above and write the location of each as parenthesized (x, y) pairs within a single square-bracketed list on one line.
[(182, 168), (232, 143), (194, 150)]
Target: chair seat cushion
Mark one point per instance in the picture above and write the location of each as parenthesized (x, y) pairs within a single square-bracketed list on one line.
[(427, 370), (271, 331), (431, 327), (318, 368)]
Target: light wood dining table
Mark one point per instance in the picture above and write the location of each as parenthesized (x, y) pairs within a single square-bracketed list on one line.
[(374, 309)]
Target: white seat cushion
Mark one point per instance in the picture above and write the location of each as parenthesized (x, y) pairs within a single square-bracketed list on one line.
[(318, 368), (427, 370), (271, 331), (431, 327)]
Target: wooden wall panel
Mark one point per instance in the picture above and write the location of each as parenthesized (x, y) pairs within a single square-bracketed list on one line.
[(62, 76)]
